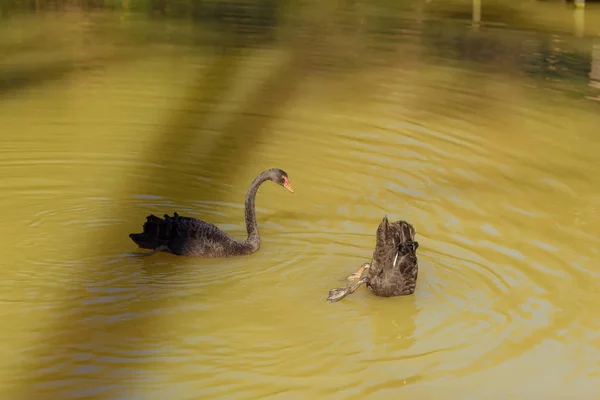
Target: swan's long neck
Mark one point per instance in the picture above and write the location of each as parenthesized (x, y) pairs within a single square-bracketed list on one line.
[(251, 226)]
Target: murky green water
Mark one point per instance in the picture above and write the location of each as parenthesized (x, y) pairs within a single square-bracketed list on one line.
[(485, 138)]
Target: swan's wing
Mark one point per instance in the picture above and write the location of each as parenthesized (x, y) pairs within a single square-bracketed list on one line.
[(397, 258), (195, 228)]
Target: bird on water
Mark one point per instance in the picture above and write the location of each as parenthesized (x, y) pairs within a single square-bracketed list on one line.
[(186, 236)]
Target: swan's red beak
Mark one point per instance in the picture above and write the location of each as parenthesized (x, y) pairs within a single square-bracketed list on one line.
[(286, 184)]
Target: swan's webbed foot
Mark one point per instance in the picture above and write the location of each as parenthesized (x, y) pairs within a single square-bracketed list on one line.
[(156, 250), (337, 294), (359, 272)]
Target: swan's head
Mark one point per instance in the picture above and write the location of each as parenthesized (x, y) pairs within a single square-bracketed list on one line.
[(280, 177)]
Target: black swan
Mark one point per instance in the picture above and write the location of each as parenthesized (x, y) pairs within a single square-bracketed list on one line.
[(393, 269), (185, 236)]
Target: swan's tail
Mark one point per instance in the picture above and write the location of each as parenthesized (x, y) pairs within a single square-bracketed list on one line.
[(403, 231), (157, 232), (404, 238)]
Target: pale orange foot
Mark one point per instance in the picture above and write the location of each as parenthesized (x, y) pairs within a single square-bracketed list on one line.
[(359, 272)]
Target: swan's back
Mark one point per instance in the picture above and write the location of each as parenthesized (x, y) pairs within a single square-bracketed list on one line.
[(394, 267)]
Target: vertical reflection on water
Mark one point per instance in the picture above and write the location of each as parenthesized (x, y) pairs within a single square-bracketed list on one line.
[(579, 22), (476, 20), (595, 72)]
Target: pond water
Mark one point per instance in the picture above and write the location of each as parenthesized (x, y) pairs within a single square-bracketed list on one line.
[(484, 137)]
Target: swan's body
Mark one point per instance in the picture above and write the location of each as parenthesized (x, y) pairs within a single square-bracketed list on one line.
[(190, 236), (187, 236), (393, 269)]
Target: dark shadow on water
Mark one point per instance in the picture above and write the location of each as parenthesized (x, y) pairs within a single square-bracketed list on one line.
[(16, 80), (84, 338)]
